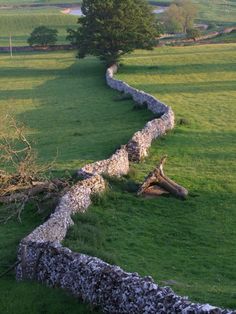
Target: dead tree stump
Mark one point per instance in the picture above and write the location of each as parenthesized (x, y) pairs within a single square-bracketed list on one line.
[(157, 183)]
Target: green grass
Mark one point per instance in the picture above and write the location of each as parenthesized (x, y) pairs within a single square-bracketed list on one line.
[(218, 11), (21, 22), (190, 242), (29, 297), (68, 109), (66, 106), (213, 10), (225, 38)]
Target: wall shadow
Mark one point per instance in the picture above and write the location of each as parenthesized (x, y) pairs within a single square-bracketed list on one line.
[(75, 113)]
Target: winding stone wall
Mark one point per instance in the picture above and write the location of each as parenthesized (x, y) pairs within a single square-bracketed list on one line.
[(77, 199), (139, 144), (41, 257)]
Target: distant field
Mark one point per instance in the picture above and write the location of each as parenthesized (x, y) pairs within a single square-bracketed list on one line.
[(190, 244), (225, 38), (217, 11), (20, 23)]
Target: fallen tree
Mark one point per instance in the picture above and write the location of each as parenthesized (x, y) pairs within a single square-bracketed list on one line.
[(157, 183), (26, 180)]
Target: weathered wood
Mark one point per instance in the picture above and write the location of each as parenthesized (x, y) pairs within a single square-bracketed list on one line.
[(159, 179), (17, 194), (154, 191)]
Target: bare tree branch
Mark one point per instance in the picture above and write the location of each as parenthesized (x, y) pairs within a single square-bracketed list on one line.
[(26, 180)]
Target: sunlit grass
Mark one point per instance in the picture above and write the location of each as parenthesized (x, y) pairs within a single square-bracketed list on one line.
[(66, 106), (192, 242), (19, 23)]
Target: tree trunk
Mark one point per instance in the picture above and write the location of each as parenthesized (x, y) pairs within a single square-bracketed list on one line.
[(157, 183)]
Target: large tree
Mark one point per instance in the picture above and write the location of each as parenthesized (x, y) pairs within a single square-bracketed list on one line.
[(112, 28), (173, 19), (179, 16), (189, 13)]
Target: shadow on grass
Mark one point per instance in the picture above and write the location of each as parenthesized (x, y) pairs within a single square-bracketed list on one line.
[(160, 88), (74, 111)]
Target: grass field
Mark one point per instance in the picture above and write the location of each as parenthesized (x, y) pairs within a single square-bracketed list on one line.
[(188, 244), (217, 11), (21, 22), (68, 108)]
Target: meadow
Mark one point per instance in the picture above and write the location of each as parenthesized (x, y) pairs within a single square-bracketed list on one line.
[(19, 23), (217, 11), (69, 112), (189, 245), (213, 12)]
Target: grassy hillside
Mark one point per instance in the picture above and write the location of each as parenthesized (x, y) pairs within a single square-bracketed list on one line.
[(20, 23), (217, 11), (214, 11), (68, 108), (190, 244)]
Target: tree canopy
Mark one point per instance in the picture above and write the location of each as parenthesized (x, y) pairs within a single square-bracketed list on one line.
[(112, 28), (43, 36), (179, 16)]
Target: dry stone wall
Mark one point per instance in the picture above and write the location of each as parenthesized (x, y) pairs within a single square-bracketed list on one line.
[(77, 199), (100, 284), (139, 144), (116, 165), (41, 257)]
